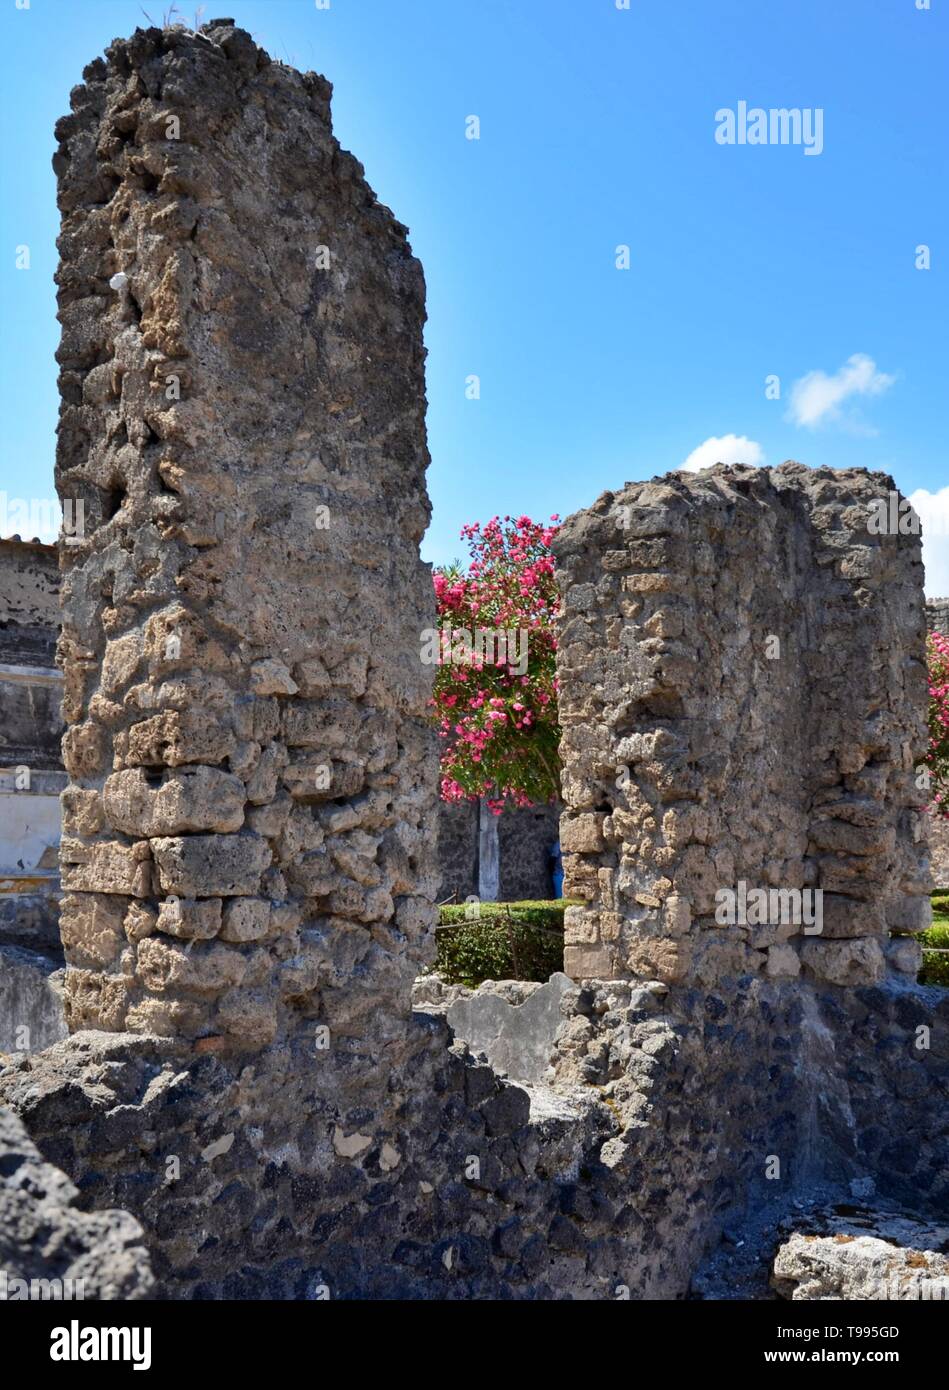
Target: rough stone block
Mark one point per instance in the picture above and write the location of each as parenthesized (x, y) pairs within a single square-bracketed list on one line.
[(198, 918), (106, 867), (210, 866), (855, 962), (194, 799)]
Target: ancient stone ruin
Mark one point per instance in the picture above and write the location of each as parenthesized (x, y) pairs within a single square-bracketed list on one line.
[(743, 691), (243, 421), (248, 858)]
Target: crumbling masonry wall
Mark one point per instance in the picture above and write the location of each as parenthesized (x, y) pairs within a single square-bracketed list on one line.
[(742, 693), (248, 818), (937, 615)]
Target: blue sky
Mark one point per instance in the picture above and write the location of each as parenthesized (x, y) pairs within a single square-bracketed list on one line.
[(597, 129)]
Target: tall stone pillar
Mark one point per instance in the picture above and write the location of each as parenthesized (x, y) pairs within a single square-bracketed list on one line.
[(248, 825), (743, 696)]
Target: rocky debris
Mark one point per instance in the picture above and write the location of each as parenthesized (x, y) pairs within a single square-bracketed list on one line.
[(870, 1256), (48, 1248)]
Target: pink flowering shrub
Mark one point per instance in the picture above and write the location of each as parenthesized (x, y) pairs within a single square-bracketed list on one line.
[(497, 717), (938, 757)]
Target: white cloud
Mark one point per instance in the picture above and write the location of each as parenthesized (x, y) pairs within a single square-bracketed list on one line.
[(817, 397), (730, 448), (933, 510)]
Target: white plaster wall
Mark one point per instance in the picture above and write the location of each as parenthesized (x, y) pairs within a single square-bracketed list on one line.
[(29, 826)]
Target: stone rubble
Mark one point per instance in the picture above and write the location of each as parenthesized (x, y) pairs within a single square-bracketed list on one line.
[(878, 1258), (44, 1237)]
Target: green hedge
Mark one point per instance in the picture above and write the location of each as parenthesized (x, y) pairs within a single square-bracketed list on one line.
[(935, 969), (524, 941), (506, 941)]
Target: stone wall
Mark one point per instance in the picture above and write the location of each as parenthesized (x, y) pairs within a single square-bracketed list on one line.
[(457, 850), (29, 620), (250, 810), (525, 839), (937, 615), (742, 692), (44, 1237), (939, 850), (31, 728)]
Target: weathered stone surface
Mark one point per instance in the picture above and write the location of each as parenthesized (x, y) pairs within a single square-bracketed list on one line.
[(30, 694), (742, 704), (31, 1005), (202, 798), (859, 962), (107, 866), (517, 1039), (905, 1261), (596, 1180), (211, 865), (43, 1237), (193, 918), (938, 829), (241, 614)]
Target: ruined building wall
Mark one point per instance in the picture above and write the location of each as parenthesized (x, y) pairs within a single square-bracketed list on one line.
[(937, 616), (250, 805), (743, 696), (939, 850), (30, 685)]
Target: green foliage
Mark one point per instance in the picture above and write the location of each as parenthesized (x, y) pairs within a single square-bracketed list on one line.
[(506, 941), (935, 969)]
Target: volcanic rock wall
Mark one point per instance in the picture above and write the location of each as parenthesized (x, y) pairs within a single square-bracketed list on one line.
[(249, 813), (742, 693), (51, 1250)]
